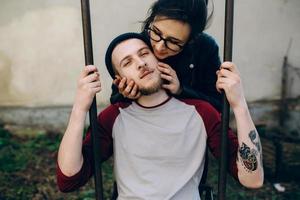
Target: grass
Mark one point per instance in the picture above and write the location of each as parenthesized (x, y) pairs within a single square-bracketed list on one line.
[(27, 171)]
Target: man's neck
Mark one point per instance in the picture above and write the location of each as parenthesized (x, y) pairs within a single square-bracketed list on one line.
[(153, 99)]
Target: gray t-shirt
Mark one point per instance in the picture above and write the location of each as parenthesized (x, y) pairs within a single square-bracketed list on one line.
[(159, 152)]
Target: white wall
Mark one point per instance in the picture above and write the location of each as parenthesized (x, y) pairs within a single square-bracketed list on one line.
[(41, 51), (41, 47), (262, 32)]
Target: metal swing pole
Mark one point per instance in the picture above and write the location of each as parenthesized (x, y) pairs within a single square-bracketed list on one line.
[(229, 11), (89, 60)]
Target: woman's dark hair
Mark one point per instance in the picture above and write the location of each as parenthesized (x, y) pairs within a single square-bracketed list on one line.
[(193, 12)]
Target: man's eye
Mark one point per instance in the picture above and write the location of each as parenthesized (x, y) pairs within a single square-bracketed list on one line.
[(126, 63), (144, 53)]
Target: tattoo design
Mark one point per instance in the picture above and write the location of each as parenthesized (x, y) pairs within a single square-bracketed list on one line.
[(255, 140), (248, 157)]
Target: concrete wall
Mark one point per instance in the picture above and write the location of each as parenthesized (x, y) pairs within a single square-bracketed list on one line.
[(262, 33), (41, 47), (41, 50)]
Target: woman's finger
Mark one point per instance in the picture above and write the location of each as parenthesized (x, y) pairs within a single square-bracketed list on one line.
[(122, 85), (128, 88), (164, 70), (164, 65), (167, 77), (133, 92), (167, 86)]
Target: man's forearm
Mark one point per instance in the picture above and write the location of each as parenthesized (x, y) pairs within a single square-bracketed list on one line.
[(249, 162), (70, 158)]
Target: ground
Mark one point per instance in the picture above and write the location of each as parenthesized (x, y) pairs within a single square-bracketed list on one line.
[(28, 161)]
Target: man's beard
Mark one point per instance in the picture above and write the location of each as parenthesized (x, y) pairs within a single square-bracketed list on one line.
[(155, 87)]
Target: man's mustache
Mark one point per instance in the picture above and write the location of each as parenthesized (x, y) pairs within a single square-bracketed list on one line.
[(145, 72)]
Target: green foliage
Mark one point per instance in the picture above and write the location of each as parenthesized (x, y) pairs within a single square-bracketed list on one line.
[(4, 137), (12, 156), (43, 142), (27, 171)]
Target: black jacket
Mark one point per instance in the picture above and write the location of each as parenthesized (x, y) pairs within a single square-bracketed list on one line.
[(196, 68)]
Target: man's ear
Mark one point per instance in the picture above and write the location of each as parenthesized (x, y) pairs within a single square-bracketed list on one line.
[(117, 76)]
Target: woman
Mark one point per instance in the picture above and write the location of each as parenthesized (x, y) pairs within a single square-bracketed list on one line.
[(189, 58)]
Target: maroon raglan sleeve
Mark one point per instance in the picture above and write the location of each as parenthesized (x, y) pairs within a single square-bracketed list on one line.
[(212, 122), (105, 124)]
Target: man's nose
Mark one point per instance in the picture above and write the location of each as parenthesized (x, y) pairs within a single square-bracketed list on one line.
[(141, 64)]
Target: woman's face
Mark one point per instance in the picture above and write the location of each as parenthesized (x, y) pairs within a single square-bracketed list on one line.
[(168, 36)]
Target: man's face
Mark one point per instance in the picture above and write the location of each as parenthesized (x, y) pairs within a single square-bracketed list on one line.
[(134, 60)]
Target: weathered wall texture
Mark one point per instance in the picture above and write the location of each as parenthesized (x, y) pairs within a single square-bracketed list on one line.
[(262, 33), (41, 51)]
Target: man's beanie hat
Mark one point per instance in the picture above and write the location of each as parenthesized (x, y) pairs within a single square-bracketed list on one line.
[(115, 42)]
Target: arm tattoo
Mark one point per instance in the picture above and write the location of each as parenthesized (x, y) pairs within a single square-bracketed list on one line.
[(255, 140), (248, 157)]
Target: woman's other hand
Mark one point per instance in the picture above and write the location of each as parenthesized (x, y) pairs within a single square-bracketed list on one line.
[(169, 74)]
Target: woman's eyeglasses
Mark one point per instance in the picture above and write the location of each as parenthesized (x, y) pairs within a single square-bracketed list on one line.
[(173, 46)]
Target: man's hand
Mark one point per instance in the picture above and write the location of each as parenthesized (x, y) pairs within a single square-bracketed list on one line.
[(229, 80), (249, 162), (130, 90), (70, 159), (88, 85), (169, 74)]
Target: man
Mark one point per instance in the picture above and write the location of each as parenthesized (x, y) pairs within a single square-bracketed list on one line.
[(158, 141)]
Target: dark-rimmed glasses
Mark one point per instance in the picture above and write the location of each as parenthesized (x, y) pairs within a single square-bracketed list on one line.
[(155, 36)]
